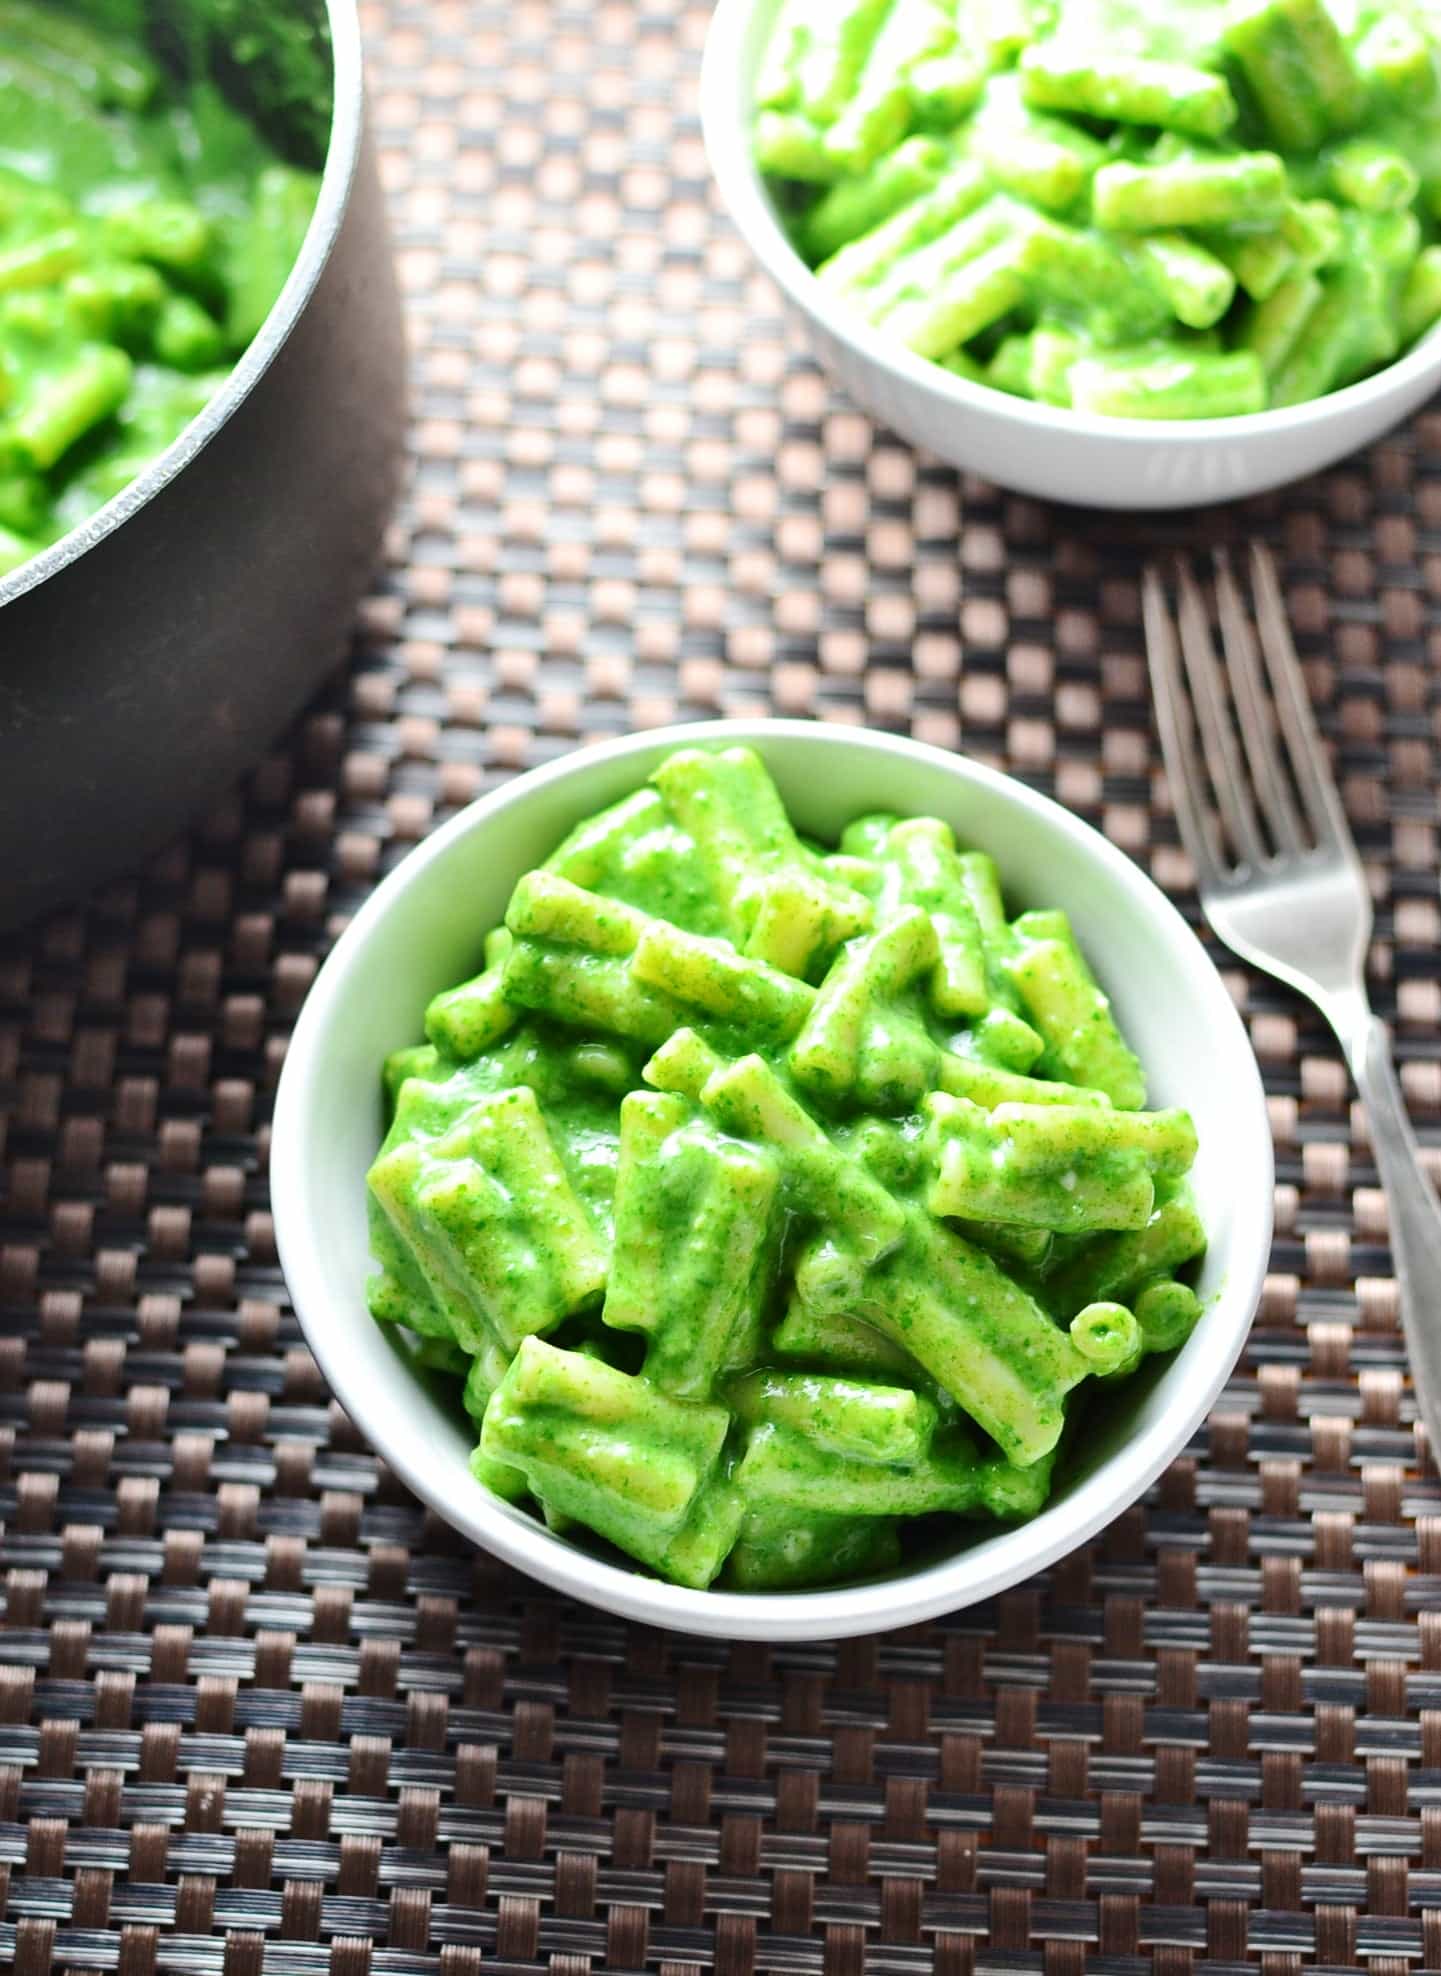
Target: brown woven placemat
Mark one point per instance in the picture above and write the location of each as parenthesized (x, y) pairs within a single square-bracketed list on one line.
[(256, 1708)]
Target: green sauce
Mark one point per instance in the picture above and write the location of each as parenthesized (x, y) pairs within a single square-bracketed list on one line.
[(758, 1243), (153, 196), (1181, 209)]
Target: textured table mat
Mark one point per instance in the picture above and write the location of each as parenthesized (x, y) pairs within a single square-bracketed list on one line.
[(258, 1710)]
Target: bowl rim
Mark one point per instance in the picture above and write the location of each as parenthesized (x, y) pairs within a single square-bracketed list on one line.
[(342, 155), (326, 1309), (726, 135)]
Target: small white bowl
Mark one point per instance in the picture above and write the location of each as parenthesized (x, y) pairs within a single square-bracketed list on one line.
[(1039, 449), (422, 930)]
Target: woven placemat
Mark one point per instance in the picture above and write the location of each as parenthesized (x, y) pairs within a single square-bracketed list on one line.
[(257, 1709)]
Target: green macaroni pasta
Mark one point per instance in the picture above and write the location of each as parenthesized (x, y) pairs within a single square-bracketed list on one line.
[(775, 1210), (1073, 1169), (147, 227), (1088, 204)]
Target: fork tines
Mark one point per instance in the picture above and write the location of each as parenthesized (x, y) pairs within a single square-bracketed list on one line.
[(1259, 788)]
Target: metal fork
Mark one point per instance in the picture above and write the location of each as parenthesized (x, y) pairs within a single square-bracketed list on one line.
[(1280, 879)]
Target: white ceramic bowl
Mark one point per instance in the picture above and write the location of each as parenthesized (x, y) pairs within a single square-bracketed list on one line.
[(422, 930), (1065, 456)]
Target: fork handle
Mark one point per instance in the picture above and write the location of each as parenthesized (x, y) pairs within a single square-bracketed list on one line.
[(1413, 1214)]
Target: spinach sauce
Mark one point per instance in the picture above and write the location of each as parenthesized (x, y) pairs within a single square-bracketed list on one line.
[(157, 175)]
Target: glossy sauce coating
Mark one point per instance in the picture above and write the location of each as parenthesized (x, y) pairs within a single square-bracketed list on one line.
[(146, 228), (776, 1204), (1195, 209)]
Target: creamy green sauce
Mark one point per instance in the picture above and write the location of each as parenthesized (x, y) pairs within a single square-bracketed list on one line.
[(753, 1256), (1188, 209), (146, 227)]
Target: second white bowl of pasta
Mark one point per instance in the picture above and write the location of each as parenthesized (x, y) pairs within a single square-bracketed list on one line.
[(1051, 450), (601, 1444)]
